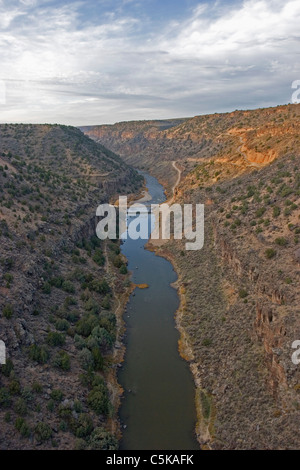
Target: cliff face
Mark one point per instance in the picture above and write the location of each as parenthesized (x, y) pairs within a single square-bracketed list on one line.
[(242, 139), (242, 294), (58, 288)]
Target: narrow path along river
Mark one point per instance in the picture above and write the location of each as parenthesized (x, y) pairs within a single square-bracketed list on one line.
[(158, 407)]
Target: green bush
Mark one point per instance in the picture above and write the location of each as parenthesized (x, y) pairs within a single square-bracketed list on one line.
[(55, 339), (97, 358), (68, 286), (86, 359), (83, 426), (22, 427), (37, 387), (47, 288), (8, 311), (86, 324), (270, 253), (20, 407), (42, 432), (98, 400), (260, 212), (62, 361), (56, 395), (102, 440), (281, 241), (123, 269), (243, 293), (15, 387), (5, 399), (38, 353), (98, 257), (62, 325)]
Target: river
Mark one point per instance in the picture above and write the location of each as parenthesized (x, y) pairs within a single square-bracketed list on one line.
[(158, 407)]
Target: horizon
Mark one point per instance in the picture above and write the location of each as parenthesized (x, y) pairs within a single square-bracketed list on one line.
[(78, 62), (145, 120)]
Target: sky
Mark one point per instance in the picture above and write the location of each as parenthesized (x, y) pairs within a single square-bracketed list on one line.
[(105, 61)]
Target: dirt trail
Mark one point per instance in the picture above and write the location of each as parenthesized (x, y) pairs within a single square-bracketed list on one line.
[(177, 181), (257, 165)]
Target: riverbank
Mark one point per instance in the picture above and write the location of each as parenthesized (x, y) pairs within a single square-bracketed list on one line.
[(168, 420), (204, 427)]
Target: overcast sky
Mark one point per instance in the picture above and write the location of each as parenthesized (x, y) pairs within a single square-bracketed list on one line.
[(104, 61)]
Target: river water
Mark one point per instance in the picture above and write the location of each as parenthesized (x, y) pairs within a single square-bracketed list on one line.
[(158, 408)]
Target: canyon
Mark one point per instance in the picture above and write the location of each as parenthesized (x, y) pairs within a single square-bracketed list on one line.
[(239, 311), (63, 291)]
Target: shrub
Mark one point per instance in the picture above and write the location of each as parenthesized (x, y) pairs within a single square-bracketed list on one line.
[(62, 325), (281, 241), (270, 253), (20, 407), (56, 395), (123, 269), (5, 399), (15, 387), (68, 286), (62, 361), (86, 324), (106, 303), (83, 426), (98, 257), (22, 427), (55, 339), (37, 387), (8, 311), (260, 212), (42, 432), (57, 281), (98, 400), (86, 359), (99, 286), (38, 353), (276, 211), (117, 261), (243, 293), (103, 338), (92, 306), (47, 288), (102, 440), (97, 358)]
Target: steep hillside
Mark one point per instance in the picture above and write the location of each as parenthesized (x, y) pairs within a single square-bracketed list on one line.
[(58, 288), (239, 313), (243, 137)]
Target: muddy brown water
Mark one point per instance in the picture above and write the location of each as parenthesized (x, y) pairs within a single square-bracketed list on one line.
[(158, 407)]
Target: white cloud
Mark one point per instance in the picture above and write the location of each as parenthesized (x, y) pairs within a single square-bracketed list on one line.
[(69, 69)]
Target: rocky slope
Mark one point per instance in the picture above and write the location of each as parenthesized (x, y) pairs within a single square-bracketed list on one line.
[(58, 288), (247, 138), (239, 312)]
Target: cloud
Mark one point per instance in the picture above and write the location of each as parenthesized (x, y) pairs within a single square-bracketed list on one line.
[(67, 62)]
